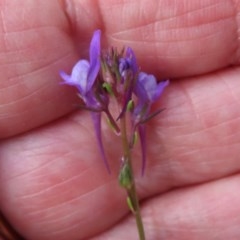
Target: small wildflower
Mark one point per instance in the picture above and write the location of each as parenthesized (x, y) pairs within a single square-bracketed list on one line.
[(128, 70), (147, 91), (84, 76), (128, 67), (115, 75)]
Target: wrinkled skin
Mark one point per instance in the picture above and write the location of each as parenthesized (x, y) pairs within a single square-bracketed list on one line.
[(53, 184)]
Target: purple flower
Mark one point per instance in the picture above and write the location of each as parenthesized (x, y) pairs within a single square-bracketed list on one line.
[(83, 76), (147, 91), (128, 65), (128, 70)]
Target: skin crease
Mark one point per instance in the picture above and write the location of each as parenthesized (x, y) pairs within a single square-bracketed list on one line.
[(53, 184)]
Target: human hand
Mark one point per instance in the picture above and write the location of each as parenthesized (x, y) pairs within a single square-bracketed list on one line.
[(53, 184)]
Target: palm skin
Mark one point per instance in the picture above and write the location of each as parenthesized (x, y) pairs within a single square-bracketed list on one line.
[(53, 184)]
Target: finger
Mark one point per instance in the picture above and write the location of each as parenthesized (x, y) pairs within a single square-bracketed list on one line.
[(171, 39), (209, 211), (35, 45), (184, 148), (199, 132), (63, 192), (166, 42)]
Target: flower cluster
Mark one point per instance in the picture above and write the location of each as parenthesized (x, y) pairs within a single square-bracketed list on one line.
[(114, 74)]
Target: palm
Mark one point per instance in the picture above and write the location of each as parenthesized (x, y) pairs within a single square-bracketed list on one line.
[(53, 185)]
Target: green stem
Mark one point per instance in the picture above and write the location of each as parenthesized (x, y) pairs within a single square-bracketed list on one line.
[(131, 189), (112, 122)]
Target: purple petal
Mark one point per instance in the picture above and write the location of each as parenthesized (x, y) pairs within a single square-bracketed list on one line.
[(67, 78), (147, 87), (139, 88), (142, 136), (149, 83), (94, 59), (91, 101), (123, 65), (131, 56), (160, 87), (78, 76), (96, 117)]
